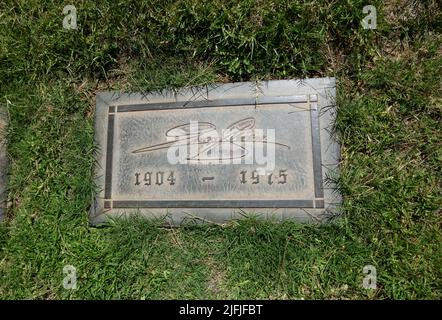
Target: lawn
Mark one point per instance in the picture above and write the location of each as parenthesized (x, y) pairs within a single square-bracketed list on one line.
[(389, 124)]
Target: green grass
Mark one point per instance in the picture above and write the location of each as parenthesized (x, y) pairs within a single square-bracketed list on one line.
[(389, 124)]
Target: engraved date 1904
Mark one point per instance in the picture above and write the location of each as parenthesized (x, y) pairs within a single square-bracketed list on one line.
[(158, 178)]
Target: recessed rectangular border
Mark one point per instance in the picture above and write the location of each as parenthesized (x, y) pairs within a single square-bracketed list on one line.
[(212, 204), (287, 203), (109, 156), (316, 150), (213, 103)]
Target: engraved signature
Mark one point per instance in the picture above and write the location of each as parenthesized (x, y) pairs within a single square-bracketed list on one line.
[(204, 135)]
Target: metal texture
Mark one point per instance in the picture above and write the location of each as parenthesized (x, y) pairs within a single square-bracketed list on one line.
[(134, 173)]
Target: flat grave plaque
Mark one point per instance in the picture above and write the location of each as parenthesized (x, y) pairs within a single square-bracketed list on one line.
[(218, 152)]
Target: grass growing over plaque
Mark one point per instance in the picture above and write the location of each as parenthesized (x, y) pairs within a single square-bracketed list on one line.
[(389, 98)]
